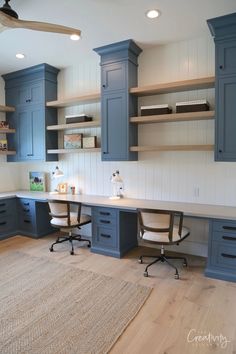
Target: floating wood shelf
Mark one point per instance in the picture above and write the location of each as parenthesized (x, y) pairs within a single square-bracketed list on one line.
[(74, 101), (173, 117), (173, 148), (92, 124), (186, 85), (6, 109), (7, 152), (7, 131), (69, 151)]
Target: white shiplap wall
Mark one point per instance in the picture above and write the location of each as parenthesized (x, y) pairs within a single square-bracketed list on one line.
[(177, 176)]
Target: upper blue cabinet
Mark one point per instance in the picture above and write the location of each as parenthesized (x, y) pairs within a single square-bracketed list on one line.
[(28, 90), (223, 30), (119, 62)]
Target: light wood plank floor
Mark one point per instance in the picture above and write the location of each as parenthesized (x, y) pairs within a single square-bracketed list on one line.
[(174, 307)]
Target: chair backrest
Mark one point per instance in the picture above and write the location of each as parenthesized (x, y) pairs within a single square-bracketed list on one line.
[(160, 221), (62, 209)]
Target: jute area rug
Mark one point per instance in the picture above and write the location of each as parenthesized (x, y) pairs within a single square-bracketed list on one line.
[(51, 308)]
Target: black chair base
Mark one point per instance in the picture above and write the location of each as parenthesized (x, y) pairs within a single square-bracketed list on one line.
[(70, 239), (162, 258)]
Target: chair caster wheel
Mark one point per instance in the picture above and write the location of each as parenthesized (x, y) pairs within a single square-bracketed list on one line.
[(145, 274), (51, 249), (185, 264), (89, 245), (72, 253), (176, 276), (140, 261)]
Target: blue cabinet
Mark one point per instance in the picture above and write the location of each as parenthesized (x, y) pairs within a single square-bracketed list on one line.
[(114, 231), (28, 90), (8, 222), (221, 262), (33, 218), (224, 31), (119, 63)]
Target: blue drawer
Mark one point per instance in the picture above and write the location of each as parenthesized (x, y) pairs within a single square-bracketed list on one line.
[(105, 237), (7, 206), (27, 224), (7, 224), (105, 216), (224, 225), (224, 256), (225, 237), (26, 206)]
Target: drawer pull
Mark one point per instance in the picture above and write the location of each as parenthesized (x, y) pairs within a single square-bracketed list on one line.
[(27, 221), (26, 210), (2, 211), (228, 255), (26, 204), (106, 235), (228, 238), (105, 221), (229, 228), (3, 223), (3, 204), (105, 213)]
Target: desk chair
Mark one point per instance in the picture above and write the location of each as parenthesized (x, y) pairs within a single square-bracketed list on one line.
[(158, 226), (66, 220)]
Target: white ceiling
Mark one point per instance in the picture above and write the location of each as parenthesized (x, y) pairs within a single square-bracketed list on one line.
[(102, 22)]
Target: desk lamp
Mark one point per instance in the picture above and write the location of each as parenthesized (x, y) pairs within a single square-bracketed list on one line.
[(117, 185), (57, 174)]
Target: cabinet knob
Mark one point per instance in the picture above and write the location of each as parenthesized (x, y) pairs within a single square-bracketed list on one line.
[(104, 152), (220, 151), (30, 155), (221, 67), (104, 86)]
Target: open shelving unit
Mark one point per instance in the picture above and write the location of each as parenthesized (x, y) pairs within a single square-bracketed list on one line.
[(174, 117), (7, 109), (172, 148), (177, 86), (68, 126), (74, 101), (69, 151), (7, 131)]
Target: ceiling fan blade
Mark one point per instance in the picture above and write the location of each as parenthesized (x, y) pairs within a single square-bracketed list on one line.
[(11, 22)]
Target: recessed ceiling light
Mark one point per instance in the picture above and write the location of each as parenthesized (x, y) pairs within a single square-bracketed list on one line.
[(74, 37), (20, 56), (153, 13)]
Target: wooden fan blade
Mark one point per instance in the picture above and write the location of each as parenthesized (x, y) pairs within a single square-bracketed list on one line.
[(11, 22)]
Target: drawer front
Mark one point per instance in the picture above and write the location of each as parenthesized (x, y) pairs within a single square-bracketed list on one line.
[(26, 206), (27, 224), (226, 237), (224, 225), (223, 256), (105, 216), (7, 224), (7, 206), (105, 237)]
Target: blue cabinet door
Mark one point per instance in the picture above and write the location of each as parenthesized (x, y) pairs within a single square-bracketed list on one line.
[(225, 119), (113, 77), (114, 127), (31, 137), (226, 57)]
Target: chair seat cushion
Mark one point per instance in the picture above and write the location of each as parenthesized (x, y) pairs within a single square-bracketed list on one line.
[(63, 222), (163, 237)]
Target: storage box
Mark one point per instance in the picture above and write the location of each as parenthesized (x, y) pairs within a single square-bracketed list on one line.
[(78, 118), (155, 110), (89, 142), (192, 106), (73, 141)]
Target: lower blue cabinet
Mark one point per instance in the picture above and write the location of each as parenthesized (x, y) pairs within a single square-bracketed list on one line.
[(8, 222), (221, 263), (114, 231)]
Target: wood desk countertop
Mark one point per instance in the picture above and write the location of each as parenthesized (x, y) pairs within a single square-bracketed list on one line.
[(189, 209)]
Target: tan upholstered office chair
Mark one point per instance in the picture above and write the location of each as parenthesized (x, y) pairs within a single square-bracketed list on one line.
[(158, 226), (66, 220)]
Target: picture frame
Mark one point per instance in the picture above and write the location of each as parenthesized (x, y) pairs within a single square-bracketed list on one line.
[(73, 141), (89, 142), (62, 188), (3, 145), (37, 181)]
